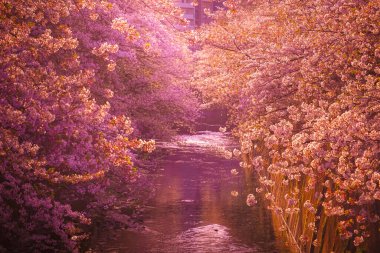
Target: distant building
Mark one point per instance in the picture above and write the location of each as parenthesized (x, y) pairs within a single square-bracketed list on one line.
[(200, 16), (195, 14)]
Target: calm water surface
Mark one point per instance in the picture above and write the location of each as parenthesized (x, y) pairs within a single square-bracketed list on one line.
[(193, 209)]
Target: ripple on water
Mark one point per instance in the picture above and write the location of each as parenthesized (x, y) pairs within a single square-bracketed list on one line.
[(210, 238)]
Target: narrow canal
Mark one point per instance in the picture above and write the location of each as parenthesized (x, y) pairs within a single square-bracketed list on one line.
[(199, 206)]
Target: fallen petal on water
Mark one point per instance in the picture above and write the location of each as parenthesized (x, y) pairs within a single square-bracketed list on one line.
[(234, 193)]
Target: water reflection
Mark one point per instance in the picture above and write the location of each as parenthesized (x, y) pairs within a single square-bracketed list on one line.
[(194, 210), (213, 238)]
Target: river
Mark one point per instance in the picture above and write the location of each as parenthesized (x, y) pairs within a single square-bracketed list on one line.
[(199, 206)]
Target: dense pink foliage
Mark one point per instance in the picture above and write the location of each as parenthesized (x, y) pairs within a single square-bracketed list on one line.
[(63, 149), (302, 81), (142, 60)]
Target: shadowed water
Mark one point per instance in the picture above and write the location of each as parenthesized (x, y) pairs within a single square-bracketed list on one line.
[(193, 209)]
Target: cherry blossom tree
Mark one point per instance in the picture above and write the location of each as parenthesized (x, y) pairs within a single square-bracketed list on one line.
[(142, 64), (63, 149), (301, 80)]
